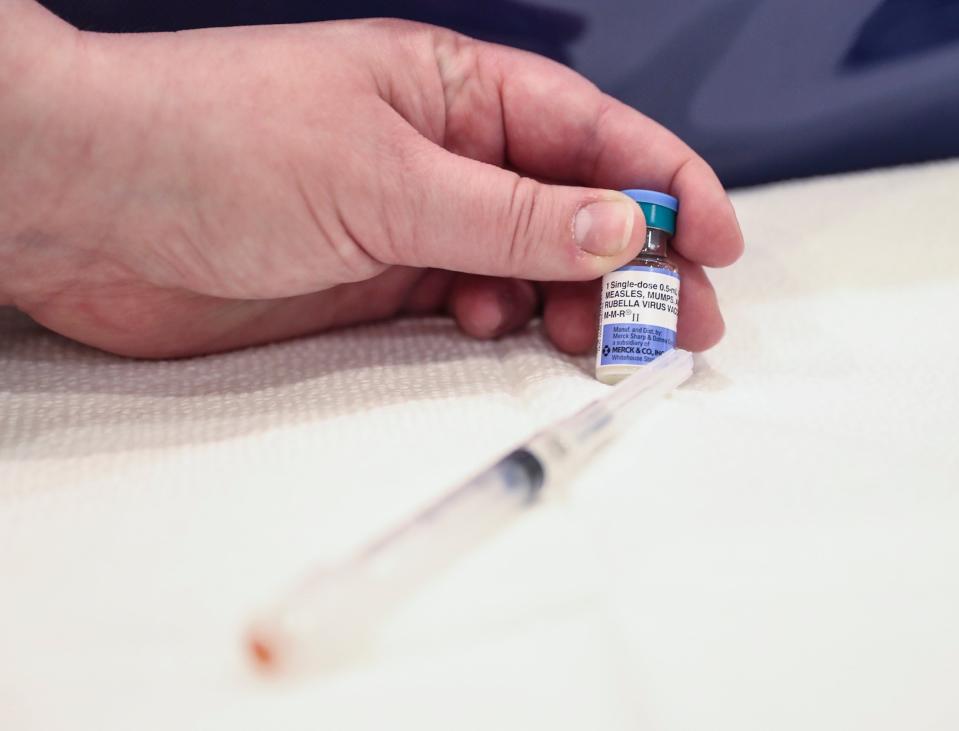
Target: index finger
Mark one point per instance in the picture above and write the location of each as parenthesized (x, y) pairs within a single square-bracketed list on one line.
[(554, 124)]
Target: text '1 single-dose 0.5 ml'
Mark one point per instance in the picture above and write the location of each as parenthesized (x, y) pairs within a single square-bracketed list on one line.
[(639, 305)]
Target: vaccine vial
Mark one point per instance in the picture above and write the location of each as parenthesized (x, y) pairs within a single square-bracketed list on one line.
[(639, 304)]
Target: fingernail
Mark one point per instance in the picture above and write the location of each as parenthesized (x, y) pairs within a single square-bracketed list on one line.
[(604, 228)]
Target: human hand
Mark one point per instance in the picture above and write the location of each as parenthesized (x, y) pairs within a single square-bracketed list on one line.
[(205, 190)]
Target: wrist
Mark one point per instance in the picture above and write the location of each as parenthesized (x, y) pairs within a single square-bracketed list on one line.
[(38, 119)]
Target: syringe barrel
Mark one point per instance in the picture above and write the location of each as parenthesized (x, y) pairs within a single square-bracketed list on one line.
[(332, 609)]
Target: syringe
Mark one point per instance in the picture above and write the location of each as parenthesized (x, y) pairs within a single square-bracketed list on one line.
[(334, 609)]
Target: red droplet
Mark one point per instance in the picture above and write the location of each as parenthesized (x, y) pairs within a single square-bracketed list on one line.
[(261, 652)]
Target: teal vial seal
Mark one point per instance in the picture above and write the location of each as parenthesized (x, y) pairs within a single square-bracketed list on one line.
[(639, 304)]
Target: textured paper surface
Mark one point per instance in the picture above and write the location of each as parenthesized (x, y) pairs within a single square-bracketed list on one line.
[(774, 547)]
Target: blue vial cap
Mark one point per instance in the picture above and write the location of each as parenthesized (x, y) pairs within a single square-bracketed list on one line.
[(660, 209)]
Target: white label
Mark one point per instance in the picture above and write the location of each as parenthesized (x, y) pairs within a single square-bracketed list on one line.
[(638, 313)]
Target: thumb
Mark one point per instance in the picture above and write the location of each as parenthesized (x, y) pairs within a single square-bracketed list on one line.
[(478, 218)]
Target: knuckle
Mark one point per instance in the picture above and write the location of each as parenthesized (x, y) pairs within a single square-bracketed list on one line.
[(457, 63), (351, 254), (347, 258), (392, 28), (524, 220), (684, 166), (400, 207)]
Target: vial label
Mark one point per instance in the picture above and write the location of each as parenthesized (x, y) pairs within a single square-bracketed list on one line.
[(638, 312)]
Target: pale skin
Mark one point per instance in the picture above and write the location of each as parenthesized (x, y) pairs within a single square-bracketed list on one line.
[(176, 194)]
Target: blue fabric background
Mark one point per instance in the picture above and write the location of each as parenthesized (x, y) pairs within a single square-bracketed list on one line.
[(764, 90)]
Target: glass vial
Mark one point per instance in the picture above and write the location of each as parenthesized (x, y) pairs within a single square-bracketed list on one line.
[(639, 304)]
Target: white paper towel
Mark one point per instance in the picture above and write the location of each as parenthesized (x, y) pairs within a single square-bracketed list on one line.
[(773, 547)]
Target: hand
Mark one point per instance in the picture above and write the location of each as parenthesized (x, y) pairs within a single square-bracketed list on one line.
[(194, 192)]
